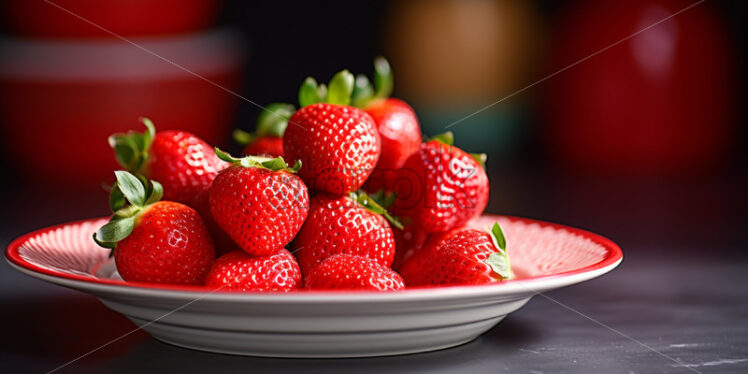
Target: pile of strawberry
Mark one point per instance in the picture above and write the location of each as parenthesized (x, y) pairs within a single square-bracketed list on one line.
[(278, 226)]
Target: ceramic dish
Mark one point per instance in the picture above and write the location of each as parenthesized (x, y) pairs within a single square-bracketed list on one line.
[(544, 256)]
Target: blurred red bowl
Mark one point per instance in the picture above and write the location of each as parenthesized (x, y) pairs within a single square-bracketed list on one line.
[(59, 101), (62, 18)]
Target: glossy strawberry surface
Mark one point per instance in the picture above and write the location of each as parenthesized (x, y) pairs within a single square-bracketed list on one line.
[(340, 225), (183, 163), (456, 257), (348, 272), (169, 244), (400, 134), (237, 271), (439, 188), (260, 209), (271, 146), (338, 145)]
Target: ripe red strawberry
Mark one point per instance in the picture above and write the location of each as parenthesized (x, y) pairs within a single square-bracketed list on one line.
[(269, 146), (183, 163), (348, 272), (396, 122), (238, 271), (259, 202), (440, 187), (353, 225), (155, 241), (461, 256), (268, 139), (338, 144)]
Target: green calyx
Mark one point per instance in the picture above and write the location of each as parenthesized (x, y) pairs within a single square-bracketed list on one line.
[(384, 198), (272, 121), (129, 196), (480, 158), (338, 91), (367, 202), (274, 164), (499, 261), (446, 138), (131, 149), (363, 91)]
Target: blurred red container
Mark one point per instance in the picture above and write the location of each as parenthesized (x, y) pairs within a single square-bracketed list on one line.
[(39, 18), (658, 104), (59, 101)]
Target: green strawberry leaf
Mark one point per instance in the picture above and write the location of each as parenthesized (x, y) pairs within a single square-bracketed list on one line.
[(383, 80), (131, 149), (363, 92), (274, 164), (368, 203), (480, 158), (497, 234), (311, 93), (131, 187), (115, 230), (116, 198), (499, 263), (340, 88), (149, 134), (242, 137), (384, 198), (273, 120), (156, 193), (445, 138)]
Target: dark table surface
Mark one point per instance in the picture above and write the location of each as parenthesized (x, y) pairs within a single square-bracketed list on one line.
[(677, 303)]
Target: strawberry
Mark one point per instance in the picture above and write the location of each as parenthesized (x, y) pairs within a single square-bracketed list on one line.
[(338, 144), (348, 272), (396, 122), (259, 202), (440, 187), (271, 124), (461, 256), (154, 241), (351, 224), (238, 271), (183, 163)]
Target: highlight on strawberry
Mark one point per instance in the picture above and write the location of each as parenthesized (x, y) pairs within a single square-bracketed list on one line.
[(259, 202), (152, 240), (267, 140), (338, 143), (397, 124), (460, 257), (182, 162), (348, 272), (440, 187), (239, 272)]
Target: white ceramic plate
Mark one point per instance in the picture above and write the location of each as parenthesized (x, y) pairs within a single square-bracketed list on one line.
[(544, 256)]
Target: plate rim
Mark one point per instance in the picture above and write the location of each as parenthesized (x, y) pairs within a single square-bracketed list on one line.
[(532, 285)]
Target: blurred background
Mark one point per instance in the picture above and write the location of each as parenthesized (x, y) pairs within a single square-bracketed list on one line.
[(644, 142)]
